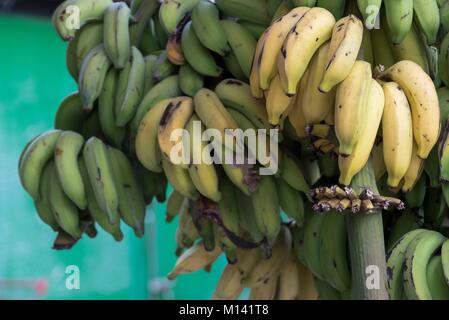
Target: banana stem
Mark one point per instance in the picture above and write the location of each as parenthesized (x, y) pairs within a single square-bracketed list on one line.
[(142, 16), (366, 245)]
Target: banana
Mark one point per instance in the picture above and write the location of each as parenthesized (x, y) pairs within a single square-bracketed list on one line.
[(209, 30), (88, 37), (277, 102), (254, 79), (301, 44), (270, 45), (307, 288), (367, 47), (326, 291), (70, 114), (415, 197), (292, 173), (423, 99), (291, 201), (443, 155), (395, 263), (296, 115), (189, 80), (383, 53), (92, 73), (242, 43), (434, 208), (229, 286), (106, 101), (70, 57), (352, 165), (149, 45), (255, 29), (417, 257), (174, 203), (445, 260), (35, 157), (282, 10), (147, 147), (439, 288), (237, 95), (412, 48), (180, 180), (73, 14), (432, 168), (171, 12), (167, 88), (232, 64), (142, 13), (91, 127), (350, 107), (43, 205), (427, 16), (407, 221), (266, 207), (94, 209), (265, 292), (413, 172), (444, 16), (116, 37), (173, 48), (269, 268), (201, 167), (198, 56), (344, 47), (311, 244), (240, 177), (443, 60), (98, 166), (150, 61), (162, 67), (316, 105), (370, 10), (399, 16), (397, 132), (186, 233), (64, 210), (130, 86), (289, 279), (131, 205), (67, 148), (194, 259), (273, 5), (160, 33), (248, 221), (229, 214), (250, 10), (333, 251), (336, 7)]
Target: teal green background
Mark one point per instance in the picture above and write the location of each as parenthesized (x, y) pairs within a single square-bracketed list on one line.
[(33, 80)]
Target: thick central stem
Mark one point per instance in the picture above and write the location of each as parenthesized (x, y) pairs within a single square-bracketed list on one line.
[(366, 245)]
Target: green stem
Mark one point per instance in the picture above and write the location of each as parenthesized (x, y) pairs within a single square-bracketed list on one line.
[(142, 16), (366, 245)]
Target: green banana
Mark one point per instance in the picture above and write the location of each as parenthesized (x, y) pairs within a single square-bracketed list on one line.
[(206, 23), (106, 104), (91, 127), (370, 10), (304, 3), (70, 57), (72, 14), (408, 221), (180, 180), (189, 80), (43, 206), (291, 201), (383, 53), (131, 81), (116, 38), (250, 10), (162, 68), (415, 198), (70, 114), (427, 15), (312, 237), (233, 66), (150, 60), (174, 203), (439, 288), (172, 12), (432, 168), (98, 166), (67, 149), (399, 15), (435, 209), (247, 218), (255, 29), (35, 157), (292, 173), (88, 37), (326, 291), (444, 17), (149, 45), (199, 58), (92, 74), (337, 7), (443, 61), (445, 260), (131, 205)]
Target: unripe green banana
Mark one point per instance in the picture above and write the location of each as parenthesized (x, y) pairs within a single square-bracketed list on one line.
[(91, 127), (291, 201), (172, 12), (64, 210), (434, 208), (94, 209), (408, 221), (67, 149), (438, 286), (131, 205), (162, 68), (35, 157), (106, 104), (116, 33), (174, 205), (70, 57), (149, 44), (189, 80), (444, 17), (255, 29), (242, 43), (399, 15), (415, 197), (370, 10), (443, 61), (150, 60), (101, 177), (250, 10), (427, 15), (445, 259), (88, 37), (233, 66), (292, 173), (304, 3), (337, 7), (206, 23), (43, 205), (92, 74), (70, 114), (72, 14), (198, 56), (130, 87)]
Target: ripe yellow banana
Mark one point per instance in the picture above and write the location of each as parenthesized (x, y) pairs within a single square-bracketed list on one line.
[(296, 115), (229, 286), (413, 172), (277, 102), (344, 47), (289, 279), (397, 133), (350, 107)]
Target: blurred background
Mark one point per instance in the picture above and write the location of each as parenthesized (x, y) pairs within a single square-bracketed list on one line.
[(33, 81)]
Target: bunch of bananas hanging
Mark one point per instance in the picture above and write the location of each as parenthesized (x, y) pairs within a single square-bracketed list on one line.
[(339, 97)]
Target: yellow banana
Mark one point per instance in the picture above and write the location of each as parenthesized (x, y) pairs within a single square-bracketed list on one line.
[(413, 172), (277, 102)]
